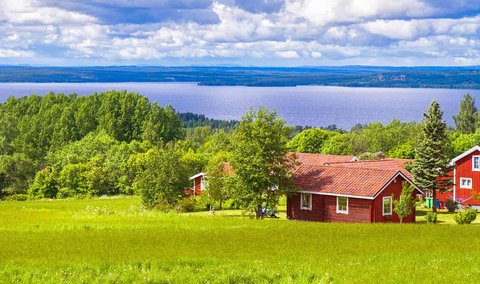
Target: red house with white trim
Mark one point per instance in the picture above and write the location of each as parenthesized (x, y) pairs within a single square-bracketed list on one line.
[(466, 178), (348, 192)]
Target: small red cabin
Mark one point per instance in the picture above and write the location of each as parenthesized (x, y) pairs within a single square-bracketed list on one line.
[(198, 183), (348, 192), (466, 179)]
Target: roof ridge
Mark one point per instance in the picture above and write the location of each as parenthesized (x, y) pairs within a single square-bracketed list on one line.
[(340, 167)]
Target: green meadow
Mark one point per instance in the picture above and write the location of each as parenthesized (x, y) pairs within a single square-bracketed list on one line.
[(115, 241)]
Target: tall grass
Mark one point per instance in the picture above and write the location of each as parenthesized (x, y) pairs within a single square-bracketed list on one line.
[(114, 240)]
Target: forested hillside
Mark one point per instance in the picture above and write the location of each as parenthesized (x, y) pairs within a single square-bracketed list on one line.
[(346, 76), (57, 145)]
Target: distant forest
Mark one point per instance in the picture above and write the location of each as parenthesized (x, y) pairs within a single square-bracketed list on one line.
[(347, 76)]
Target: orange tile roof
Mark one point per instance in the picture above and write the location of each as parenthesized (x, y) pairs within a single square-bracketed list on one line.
[(353, 181), (385, 164), (320, 159)]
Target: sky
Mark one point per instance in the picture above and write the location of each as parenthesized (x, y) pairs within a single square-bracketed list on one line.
[(240, 32)]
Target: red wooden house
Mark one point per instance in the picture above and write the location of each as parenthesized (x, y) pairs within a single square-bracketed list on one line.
[(354, 192), (466, 179)]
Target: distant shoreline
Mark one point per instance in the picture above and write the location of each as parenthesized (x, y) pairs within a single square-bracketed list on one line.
[(346, 76), (232, 86)]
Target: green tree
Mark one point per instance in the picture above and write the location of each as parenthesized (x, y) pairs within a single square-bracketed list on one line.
[(44, 184), (462, 142), (467, 117), (219, 178), (403, 206), (160, 176), (311, 140), (16, 173), (260, 160), (430, 165)]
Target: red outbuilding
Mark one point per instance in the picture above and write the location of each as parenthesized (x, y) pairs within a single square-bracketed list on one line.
[(466, 179)]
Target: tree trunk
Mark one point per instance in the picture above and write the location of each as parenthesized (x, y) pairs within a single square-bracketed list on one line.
[(259, 213), (434, 196), (220, 206)]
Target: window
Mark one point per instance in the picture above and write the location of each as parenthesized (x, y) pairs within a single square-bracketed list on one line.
[(387, 205), (202, 184), (306, 201), (342, 204), (476, 163), (466, 183)]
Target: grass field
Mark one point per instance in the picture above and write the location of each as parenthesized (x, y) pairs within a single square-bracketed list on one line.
[(115, 241)]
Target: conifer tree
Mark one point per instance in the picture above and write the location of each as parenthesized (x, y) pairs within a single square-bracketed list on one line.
[(466, 119), (430, 165)]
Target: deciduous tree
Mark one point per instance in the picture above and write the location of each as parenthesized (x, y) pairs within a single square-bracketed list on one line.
[(467, 117), (260, 160), (404, 206)]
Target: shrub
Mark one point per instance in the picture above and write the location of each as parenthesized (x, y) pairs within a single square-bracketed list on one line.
[(451, 205), (431, 218), (187, 205), (465, 217), (17, 197)]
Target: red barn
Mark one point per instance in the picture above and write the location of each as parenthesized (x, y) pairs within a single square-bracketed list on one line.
[(466, 178), (348, 192)]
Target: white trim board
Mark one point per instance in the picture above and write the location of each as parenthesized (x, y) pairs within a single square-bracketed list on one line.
[(197, 175), (464, 154)]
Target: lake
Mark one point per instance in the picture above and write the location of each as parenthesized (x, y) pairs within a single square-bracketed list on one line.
[(304, 105)]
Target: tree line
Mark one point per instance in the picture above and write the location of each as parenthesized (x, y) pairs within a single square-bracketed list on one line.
[(58, 146)]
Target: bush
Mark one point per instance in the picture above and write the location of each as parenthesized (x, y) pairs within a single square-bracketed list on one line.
[(431, 218), (17, 197), (187, 205), (202, 202), (451, 205), (465, 217)]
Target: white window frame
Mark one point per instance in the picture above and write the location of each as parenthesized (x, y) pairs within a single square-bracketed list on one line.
[(383, 206), (301, 201), (473, 163), (466, 179), (338, 209)]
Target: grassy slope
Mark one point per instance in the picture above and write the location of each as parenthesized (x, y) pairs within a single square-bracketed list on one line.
[(53, 241)]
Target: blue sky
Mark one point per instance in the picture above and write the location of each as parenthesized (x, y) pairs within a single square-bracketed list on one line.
[(234, 32)]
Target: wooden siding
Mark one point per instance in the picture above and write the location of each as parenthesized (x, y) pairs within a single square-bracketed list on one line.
[(358, 210), (295, 212), (197, 185), (395, 189)]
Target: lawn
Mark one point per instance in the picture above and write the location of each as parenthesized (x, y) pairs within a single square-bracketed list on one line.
[(116, 241)]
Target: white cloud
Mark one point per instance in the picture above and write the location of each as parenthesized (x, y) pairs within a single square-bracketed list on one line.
[(287, 54), (10, 53), (305, 31)]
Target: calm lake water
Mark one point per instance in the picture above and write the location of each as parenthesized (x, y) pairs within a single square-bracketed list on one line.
[(305, 105)]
